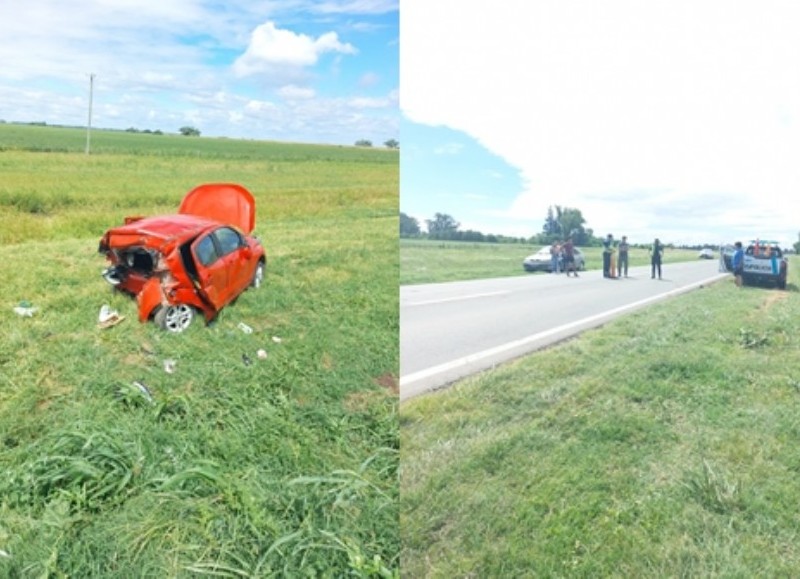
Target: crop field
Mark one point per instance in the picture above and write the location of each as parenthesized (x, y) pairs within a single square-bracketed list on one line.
[(228, 465)]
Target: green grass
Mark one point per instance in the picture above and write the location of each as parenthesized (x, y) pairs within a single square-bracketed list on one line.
[(285, 466), (431, 261), (661, 445)]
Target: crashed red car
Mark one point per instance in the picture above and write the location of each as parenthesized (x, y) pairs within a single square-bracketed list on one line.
[(198, 260)]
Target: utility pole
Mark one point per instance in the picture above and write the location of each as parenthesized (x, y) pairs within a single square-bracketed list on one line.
[(89, 123)]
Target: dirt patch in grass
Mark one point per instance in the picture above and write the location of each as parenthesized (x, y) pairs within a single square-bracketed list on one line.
[(362, 400), (388, 381), (773, 298)]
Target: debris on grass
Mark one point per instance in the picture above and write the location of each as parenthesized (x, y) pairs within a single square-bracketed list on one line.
[(277, 340), (245, 328), (169, 366), (25, 309), (108, 317), (144, 390), (134, 394), (262, 354)]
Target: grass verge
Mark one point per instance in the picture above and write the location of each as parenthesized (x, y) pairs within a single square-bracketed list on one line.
[(662, 444)]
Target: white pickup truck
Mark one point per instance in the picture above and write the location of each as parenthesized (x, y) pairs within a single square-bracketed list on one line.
[(764, 263)]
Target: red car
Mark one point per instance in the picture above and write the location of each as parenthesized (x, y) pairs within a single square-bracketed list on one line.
[(199, 260)]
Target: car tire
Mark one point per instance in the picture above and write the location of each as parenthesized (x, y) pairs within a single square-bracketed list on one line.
[(258, 276), (174, 318)]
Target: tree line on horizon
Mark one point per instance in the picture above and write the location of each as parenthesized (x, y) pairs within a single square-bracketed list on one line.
[(560, 223)]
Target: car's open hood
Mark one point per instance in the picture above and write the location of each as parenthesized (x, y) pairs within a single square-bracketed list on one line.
[(224, 202)]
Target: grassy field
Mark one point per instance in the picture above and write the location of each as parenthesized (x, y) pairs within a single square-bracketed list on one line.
[(430, 261), (660, 445), (285, 466)]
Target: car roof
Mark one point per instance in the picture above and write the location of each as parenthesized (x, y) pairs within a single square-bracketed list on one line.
[(159, 230)]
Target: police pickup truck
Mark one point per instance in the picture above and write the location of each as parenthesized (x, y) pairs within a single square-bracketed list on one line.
[(764, 263)]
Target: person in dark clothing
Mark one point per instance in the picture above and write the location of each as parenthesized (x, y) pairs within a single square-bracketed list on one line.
[(738, 264), (656, 253), (622, 258), (608, 247), (569, 257)]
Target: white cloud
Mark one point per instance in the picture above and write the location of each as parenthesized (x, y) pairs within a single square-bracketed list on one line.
[(157, 62), (259, 107), (369, 103), (368, 79), (597, 103), (448, 149), (271, 46), (292, 92), (355, 7)]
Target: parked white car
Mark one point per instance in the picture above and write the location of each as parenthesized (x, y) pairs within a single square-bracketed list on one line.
[(542, 261), (706, 253)]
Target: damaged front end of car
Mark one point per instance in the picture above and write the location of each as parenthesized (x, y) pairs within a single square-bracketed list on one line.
[(157, 279)]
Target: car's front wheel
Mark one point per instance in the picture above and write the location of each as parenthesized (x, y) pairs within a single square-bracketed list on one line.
[(174, 318)]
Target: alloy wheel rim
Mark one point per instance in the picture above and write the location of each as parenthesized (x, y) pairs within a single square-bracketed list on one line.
[(178, 318)]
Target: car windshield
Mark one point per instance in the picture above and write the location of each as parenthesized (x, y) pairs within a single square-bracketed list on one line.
[(765, 252)]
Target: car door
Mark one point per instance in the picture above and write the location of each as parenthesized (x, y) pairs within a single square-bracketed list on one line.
[(212, 274), (235, 254)]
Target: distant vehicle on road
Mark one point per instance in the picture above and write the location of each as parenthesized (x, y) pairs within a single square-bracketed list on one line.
[(706, 253), (542, 261)]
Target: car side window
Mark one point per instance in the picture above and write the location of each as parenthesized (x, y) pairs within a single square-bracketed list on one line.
[(206, 251), (229, 240)]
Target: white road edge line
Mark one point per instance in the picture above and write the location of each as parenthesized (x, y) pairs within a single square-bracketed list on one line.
[(458, 298), (477, 357)]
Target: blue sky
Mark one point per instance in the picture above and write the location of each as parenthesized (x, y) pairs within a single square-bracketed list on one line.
[(678, 120), (291, 70), (446, 171)]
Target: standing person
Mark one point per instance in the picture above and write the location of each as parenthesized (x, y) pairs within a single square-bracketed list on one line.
[(555, 256), (607, 250), (569, 257), (622, 258), (612, 267), (656, 253), (737, 262)]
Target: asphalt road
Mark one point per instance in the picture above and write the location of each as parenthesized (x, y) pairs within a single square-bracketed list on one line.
[(451, 330)]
